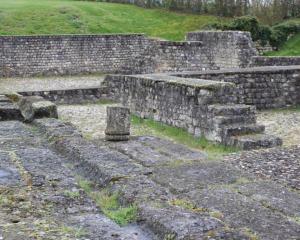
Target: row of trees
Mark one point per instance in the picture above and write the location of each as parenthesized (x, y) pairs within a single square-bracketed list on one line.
[(267, 11)]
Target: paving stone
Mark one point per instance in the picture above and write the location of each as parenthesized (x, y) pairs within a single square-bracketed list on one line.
[(172, 223), (274, 196), (152, 151), (186, 177), (243, 212), (42, 179)]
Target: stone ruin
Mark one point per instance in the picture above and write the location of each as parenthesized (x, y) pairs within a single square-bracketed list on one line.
[(211, 85)]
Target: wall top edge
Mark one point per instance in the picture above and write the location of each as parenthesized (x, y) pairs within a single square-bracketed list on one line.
[(74, 35)]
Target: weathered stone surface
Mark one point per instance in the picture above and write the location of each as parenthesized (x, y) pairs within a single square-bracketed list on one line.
[(228, 203), (40, 195), (273, 196), (189, 176), (265, 87), (152, 151), (243, 212), (8, 111), (36, 107), (184, 224), (274, 61), (117, 123)]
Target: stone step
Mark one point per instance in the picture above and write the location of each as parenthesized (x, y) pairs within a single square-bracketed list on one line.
[(222, 120), (254, 141), (8, 111), (241, 129), (231, 109)]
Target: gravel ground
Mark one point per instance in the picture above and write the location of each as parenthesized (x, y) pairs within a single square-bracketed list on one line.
[(49, 83), (284, 124), (278, 164), (90, 119)]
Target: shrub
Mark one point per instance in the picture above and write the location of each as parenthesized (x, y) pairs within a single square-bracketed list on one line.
[(276, 35), (282, 32)]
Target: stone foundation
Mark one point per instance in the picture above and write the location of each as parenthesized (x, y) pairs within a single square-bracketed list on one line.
[(202, 107)]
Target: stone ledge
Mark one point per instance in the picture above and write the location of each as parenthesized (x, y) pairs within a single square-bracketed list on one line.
[(264, 69)]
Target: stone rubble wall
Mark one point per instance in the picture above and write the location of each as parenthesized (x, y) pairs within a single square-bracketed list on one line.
[(274, 61), (227, 48), (127, 53), (264, 87), (176, 102), (70, 54), (71, 96)]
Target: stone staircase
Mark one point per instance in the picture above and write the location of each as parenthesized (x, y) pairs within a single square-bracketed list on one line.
[(235, 125)]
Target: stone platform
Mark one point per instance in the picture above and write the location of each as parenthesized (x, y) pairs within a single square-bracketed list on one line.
[(70, 90), (179, 193)]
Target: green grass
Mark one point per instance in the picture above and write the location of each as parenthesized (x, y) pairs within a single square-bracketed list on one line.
[(109, 204), (151, 127), (23, 17), (290, 48)]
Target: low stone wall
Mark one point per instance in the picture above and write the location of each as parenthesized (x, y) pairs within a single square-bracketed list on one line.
[(264, 87), (202, 107), (71, 96), (274, 61), (175, 101), (126, 54)]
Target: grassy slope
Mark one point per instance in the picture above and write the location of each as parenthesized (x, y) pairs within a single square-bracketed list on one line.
[(20, 17), (290, 48)]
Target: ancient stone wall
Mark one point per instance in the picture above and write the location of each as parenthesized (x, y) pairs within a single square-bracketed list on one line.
[(227, 48), (129, 54), (70, 54), (264, 87), (175, 101), (202, 107), (71, 96), (274, 61)]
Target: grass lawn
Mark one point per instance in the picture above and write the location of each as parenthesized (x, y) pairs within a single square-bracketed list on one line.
[(27, 17)]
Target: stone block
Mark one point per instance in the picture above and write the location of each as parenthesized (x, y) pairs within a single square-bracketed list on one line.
[(118, 124), (35, 107)]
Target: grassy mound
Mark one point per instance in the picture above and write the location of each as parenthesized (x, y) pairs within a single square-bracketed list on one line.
[(23, 17)]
